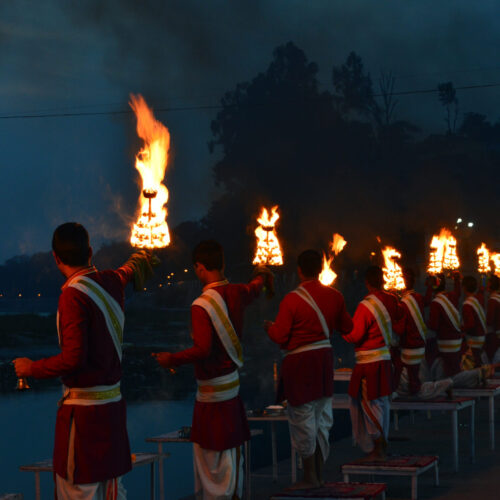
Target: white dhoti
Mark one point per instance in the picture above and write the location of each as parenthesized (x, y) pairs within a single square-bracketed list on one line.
[(218, 475), (428, 390), (310, 423), (104, 490), (432, 373), (370, 420), (468, 378), (494, 361)]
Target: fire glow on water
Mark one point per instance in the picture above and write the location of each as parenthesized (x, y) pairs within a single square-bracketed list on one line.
[(328, 276), (151, 230), (268, 250)]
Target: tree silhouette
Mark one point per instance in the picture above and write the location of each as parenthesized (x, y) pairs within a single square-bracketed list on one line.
[(448, 97)]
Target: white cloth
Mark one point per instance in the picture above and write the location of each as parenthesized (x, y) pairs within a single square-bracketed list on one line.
[(467, 378), (494, 361), (310, 423), (431, 373), (306, 297), (428, 390), (220, 388), (218, 475), (95, 491), (364, 429)]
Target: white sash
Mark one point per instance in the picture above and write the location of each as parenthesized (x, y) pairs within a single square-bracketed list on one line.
[(218, 389), (416, 314), (495, 296), (381, 315), (475, 342), (474, 303), (111, 310), (450, 310), (91, 396), (320, 344), (412, 356), (213, 303), (306, 296), (453, 345), (372, 355)]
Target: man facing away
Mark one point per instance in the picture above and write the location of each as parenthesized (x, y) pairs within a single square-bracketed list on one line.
[(371, 381), (91, 449), (473, 319), (219, 426), (492, 345), (306, 319)]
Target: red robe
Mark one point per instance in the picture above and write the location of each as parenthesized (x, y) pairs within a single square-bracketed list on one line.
[(366, 335), (410, 338), (307, 376), (472, 326), (88, 358), (222, 425), (492, 342), (441, 324)]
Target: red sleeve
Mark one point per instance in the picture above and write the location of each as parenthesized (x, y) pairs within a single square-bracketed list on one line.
[(202, 335), (434, 316), (73, 327), (280, 330), (125, 273), (252, 290), (344, 322), (468, 320), (361, 323)]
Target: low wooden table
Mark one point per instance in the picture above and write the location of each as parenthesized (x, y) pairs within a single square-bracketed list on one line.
[(140, 459), (411, 466), (490, 392), (336, 491), (173, 437)]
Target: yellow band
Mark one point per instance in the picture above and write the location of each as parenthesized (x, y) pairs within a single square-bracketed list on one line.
[(218, 388), (94, 395)]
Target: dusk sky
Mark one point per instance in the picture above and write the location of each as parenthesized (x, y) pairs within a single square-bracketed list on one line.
[(71, 57)]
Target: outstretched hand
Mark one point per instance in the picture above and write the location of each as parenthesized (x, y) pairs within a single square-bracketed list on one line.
[(23, 367), (164, 359)]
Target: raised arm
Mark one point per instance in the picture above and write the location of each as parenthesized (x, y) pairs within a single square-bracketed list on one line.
[(361, 323)]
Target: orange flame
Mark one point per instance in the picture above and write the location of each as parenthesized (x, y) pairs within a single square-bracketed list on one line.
[(495, 258), (328, 275), (393, 274), (443, 254), (483, 258), (151, 230), (268, 250)]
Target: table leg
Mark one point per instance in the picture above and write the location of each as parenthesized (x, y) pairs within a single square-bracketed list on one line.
[(412, 416), (274, 451), (473, 432), (161, 478), (248, 471), (346, 478), (414, 491), (294, 465), (38, 495), (396, 420), (152, 480), (454, 429), (491, 402), (436, 473)]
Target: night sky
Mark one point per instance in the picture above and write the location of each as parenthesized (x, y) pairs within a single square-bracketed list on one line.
[(84, 58)]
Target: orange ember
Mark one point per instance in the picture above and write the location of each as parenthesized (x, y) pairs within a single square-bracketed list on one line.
[(328, 275), (393, 274), (443, 255), (268, 250), (483, 259), (151, 230)]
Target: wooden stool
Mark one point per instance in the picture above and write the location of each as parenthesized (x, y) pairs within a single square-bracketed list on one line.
[(336, 491)]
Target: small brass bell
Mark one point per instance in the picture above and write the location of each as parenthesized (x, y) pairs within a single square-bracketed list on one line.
[(22, 384)]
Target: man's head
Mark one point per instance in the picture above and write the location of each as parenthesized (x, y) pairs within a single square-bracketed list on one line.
[(494, 283), (409, 278), (70, 245), (309, 265), (208, 259), (374, 277), (469, 284)]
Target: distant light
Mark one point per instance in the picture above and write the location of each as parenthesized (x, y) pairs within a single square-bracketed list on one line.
[(372, 254), (160, 285), (185, 270), (20, 295), (145, 288), (459, 220), (470, 224), (39, 295)]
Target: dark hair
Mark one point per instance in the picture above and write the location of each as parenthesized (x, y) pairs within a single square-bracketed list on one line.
[(440, 282), (210, 254), (409, 277), (374, 276), (470, 284), (310, 263), (494, 283), (70, 243)]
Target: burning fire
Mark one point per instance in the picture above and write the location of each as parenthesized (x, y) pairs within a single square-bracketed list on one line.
[(328, 275), (151, 230), (495, 258), (483, 257), (393, 274), (443, 255), (268, 246)]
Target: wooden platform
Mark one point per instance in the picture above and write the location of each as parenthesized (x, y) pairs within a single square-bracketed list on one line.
[(336, 491), (412, 466)]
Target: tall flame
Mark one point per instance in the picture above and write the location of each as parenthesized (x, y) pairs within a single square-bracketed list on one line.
[(495, 258), (328, 275), (443, 254), (268, 246), (151, 230), (483, 259), (393, 274)]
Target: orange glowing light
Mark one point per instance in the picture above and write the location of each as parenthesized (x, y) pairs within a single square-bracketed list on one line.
[(151, 230), (443, 254), (483, 259), (495, 258), (393, 274), (328, 276), (268, 250)]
